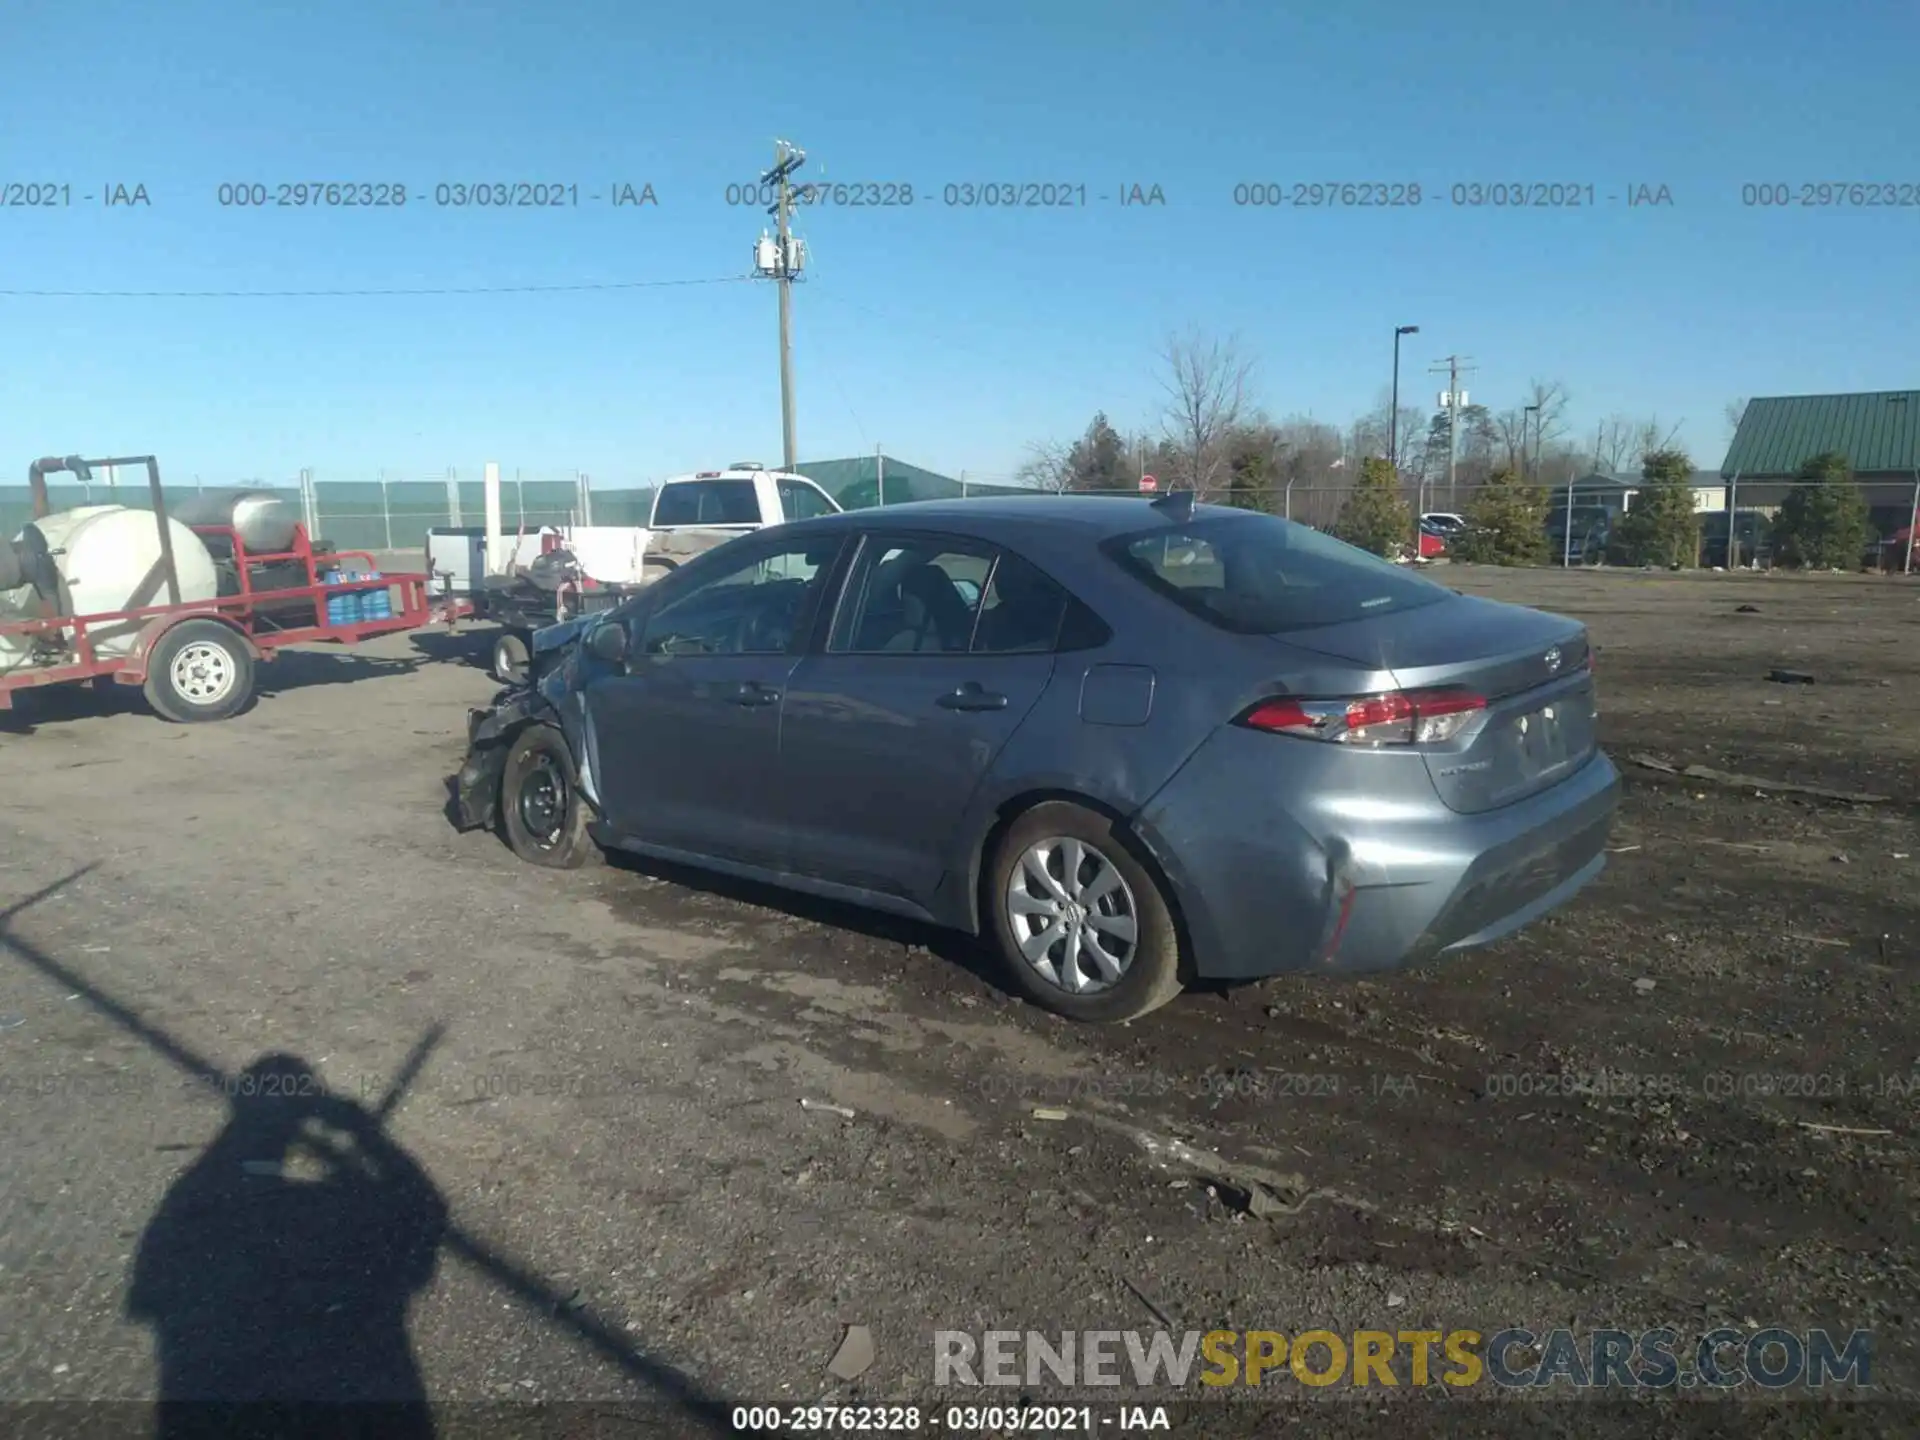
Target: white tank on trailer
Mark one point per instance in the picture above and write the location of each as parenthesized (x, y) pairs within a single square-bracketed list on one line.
[(109, 558)]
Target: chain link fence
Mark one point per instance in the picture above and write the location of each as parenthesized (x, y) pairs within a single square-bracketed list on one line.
[(393, 509)]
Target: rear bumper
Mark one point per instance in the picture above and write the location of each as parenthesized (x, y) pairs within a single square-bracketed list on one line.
[(1414, 885)]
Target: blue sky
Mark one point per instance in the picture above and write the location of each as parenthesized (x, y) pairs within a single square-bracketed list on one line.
[(954, 337)]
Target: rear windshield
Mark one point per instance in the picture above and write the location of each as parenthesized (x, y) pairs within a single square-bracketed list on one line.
[(708, 502), (1261, 575)]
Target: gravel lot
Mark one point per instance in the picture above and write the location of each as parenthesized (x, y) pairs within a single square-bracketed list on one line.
[(607, 1151)]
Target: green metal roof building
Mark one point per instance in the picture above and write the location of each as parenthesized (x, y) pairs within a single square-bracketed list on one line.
[(1878, 432)]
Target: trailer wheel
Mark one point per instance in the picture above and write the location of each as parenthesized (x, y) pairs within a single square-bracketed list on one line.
[(541, 812), (509, 659), (199, 671)]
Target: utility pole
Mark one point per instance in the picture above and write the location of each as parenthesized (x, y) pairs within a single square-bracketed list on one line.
[(1453, 401), (780, 257)]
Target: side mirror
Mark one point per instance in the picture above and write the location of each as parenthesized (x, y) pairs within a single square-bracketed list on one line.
[(608, 642)]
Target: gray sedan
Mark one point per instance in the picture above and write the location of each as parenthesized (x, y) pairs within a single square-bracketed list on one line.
[(1135, 743)]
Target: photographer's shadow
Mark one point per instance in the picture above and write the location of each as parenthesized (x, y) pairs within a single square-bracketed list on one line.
[(278, 1270)]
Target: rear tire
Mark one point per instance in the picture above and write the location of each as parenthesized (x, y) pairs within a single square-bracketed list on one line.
[(1084, 928), (199, 671), (510, 657), (542, 816)]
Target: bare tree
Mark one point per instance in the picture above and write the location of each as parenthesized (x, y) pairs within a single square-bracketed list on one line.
[(1550, 400), (1511, 430), (1206, 385), (1615, 445), (1049, 467), (1653, 440), (1736, 412), (1622, 444), (1532, 426), (1313, 477)]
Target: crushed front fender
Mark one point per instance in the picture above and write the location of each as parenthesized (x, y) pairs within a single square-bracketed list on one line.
[(476, 789)]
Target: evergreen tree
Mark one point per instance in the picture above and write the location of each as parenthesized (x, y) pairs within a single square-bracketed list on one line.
[(1823, 523), (1662, 527), (1375, 516), (1506, 523)]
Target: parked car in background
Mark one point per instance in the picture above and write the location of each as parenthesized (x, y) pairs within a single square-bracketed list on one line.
[(1131, 743), (1443, 523), (1753, 538), (1434, 539), (1583, 540), (1892, 553)]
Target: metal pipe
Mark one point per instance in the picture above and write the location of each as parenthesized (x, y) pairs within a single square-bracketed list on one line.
[(1733, 522), (1913, 519), (492, 488), (166, 530), (1566, 537)]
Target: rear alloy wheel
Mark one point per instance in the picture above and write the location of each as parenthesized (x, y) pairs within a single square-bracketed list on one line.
[(509, 659), (199, 670), (541, 812), (1083, 926)]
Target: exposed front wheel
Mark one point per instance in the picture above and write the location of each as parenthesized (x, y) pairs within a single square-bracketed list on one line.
[(1083, 926), (541, 812), (200, 670)]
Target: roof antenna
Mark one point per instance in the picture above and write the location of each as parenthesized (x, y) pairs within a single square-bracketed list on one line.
[(1176, 505)]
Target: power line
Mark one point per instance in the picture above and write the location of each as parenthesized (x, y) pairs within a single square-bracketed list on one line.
[(429, 290)]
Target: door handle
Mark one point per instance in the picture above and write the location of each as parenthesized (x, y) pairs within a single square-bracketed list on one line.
[(754, 693), (972, 697)]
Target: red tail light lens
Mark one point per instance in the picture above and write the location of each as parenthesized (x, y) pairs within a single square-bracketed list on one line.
[(1401, 717)]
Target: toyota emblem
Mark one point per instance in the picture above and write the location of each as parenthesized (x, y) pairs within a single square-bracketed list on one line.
[(1552, 657)]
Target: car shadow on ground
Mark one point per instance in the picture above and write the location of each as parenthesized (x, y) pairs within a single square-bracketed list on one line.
[(971, 954), (277, 1272), (966, 952)]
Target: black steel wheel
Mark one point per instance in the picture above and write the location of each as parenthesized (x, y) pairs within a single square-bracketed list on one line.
[(542, 814)]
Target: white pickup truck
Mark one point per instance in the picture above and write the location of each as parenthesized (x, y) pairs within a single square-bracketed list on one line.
[(691, 514)]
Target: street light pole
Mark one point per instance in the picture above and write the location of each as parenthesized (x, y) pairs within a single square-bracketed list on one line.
[(1393, 429), (1393, 420)]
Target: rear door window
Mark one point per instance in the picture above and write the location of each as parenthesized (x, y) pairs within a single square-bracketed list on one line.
[(1261, 575), (912, 598), (800, 501), (1022, 613)]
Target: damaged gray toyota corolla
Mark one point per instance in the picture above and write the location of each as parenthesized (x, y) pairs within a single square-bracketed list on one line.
[(1132, 743)]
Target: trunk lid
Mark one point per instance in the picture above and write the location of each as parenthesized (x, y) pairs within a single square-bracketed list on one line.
[(1540, 724)]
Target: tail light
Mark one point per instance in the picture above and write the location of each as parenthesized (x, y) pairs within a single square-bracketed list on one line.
[(1402, 717)]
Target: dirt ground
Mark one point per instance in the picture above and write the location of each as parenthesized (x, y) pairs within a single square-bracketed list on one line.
[(632, 1207)]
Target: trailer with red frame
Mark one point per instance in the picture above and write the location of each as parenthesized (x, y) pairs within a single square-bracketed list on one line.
[(196, 659)]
